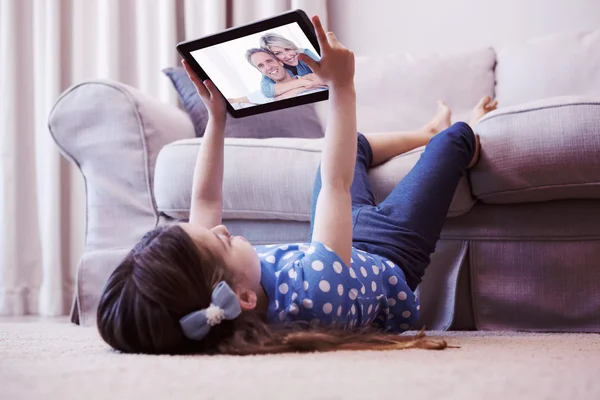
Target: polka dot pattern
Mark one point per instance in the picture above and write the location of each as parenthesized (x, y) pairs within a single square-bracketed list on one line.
[(307, 303), (303, 247), (324, 286), (283, 288), (337, 267), (317, 286), (317, 265)]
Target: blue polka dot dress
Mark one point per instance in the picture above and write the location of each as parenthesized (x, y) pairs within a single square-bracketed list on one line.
[(310, 282)]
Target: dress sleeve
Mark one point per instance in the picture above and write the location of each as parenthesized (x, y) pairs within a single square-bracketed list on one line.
[(318, 287), (267, 86)]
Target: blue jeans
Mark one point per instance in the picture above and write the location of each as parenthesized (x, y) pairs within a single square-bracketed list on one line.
[(405, 227)]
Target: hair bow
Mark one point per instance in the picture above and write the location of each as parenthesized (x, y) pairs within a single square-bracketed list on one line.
[(224, 305)]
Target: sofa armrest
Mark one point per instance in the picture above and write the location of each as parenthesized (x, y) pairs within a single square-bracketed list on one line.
[(539, 151), (114, 133)]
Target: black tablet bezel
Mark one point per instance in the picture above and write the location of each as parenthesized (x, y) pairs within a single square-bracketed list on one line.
[(299, 16)]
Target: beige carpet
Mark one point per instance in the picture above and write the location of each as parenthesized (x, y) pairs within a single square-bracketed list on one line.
[(49, 359)]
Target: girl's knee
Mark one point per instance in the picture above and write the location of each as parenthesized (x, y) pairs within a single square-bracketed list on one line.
[(460, 133), (462, 129)]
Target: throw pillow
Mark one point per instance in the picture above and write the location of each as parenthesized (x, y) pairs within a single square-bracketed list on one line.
[(300, 122)]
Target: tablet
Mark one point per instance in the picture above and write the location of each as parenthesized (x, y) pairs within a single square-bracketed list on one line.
[(256, 66)]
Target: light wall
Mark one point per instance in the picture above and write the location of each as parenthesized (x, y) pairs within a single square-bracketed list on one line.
[(371, 27)]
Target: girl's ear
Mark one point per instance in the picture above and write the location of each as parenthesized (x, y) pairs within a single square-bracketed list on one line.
[(247, 299)]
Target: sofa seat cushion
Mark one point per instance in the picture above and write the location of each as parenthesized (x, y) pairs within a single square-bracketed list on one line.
[(540, 151), (269, 179)]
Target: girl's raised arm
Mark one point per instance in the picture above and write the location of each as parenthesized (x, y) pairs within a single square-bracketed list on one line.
[(333, 212), (206, 208)]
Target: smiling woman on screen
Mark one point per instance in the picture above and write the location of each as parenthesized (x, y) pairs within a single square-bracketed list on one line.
[(287, 52)]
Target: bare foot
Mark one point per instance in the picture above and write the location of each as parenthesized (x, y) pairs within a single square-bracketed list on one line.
[(484, 106), (441, 121)]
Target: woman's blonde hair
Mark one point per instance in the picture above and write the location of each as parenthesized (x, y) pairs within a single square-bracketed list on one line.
[(166, 277), (273, 39)]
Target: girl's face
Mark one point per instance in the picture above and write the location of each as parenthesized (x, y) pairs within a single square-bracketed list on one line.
[(237, 253), (286, 56)]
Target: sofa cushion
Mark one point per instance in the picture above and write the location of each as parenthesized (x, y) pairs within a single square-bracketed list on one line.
[(301, 121), (540, 151), (399, 92), (269, 179), (552, 66)]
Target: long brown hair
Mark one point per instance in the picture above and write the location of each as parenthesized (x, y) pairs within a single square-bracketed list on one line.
[(166, 276)]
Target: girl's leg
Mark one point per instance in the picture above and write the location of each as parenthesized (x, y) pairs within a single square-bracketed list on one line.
[(376, 148), (406, 226), (390, 144)]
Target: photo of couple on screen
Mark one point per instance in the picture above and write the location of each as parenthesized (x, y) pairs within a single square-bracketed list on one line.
[(263, 67)]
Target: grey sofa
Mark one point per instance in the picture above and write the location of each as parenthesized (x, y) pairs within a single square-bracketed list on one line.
[(520, 249)]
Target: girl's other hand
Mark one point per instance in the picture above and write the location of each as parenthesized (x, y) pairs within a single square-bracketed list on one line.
[(211, 97), (336, 67)]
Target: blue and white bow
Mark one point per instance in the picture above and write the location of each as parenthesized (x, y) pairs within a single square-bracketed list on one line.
[(224, 305)]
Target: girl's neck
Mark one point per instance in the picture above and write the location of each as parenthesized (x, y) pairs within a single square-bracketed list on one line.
[(262, 302)]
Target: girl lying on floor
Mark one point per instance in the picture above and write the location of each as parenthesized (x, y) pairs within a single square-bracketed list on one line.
[(195, 288)]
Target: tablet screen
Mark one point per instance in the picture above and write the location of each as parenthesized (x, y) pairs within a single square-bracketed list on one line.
[(261, 68)]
